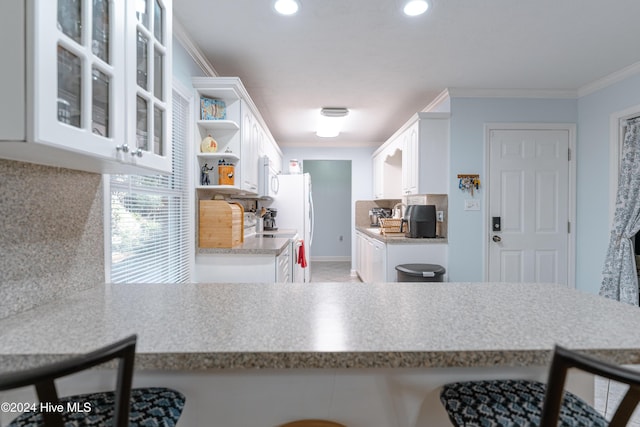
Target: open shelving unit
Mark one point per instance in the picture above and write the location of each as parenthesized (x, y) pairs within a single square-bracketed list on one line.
[(226, 132)]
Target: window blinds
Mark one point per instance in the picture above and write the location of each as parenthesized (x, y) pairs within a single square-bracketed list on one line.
[(150, 217)]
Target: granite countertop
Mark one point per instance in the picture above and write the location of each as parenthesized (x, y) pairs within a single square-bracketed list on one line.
[(326, 325), (375, 233), (253, 245)]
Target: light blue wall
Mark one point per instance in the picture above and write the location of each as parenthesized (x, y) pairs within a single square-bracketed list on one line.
[(331, 183), (593, 223), (184, 67), (361, 172), (468, 118)]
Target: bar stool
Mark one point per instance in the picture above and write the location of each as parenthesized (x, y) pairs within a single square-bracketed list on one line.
[(124, 407), (312, 423), (531, 403)]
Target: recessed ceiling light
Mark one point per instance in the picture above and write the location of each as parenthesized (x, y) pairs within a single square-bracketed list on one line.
[(286, 7), (416, 7)]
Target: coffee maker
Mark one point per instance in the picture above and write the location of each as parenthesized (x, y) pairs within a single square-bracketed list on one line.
[(269, 219), (419, 221)]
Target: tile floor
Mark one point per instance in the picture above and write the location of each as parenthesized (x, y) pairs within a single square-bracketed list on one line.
[(332, 271), (607, 394)]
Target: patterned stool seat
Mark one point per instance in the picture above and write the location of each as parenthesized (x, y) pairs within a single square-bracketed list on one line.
[(150, 407), (510, 403)]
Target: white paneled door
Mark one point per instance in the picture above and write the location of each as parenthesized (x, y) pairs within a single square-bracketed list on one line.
[(529, 205)]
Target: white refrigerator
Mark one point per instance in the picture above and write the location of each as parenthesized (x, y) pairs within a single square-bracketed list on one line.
[(294, 203)]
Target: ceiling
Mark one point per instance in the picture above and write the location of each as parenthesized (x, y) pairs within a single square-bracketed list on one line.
[(367, 56)]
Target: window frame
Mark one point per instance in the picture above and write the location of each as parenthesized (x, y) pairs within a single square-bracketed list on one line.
[(177, 89)]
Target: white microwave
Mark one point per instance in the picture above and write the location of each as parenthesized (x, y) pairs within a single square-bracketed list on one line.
[(268, 183)]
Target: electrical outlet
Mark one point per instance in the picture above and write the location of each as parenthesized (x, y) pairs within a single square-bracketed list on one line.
[(440, 216)]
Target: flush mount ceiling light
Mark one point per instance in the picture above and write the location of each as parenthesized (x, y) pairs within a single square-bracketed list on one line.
[(286, 7), (415, 7), (330, 122)]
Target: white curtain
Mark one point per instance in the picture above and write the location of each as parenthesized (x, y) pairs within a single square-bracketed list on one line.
[(620, 280)]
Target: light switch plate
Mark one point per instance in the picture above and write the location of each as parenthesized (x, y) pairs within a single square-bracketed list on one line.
[(471, 205)]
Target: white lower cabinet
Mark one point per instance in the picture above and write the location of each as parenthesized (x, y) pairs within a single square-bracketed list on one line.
[(284, 266), (371, 259), (361, 256), (376, 260), (243, 268)]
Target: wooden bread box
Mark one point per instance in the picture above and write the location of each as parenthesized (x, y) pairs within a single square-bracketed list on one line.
[(221, 224)]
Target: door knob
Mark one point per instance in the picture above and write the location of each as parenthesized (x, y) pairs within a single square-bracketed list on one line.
[(496, 239)]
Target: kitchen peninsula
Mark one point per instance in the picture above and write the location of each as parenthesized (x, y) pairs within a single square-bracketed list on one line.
[(344, 351)]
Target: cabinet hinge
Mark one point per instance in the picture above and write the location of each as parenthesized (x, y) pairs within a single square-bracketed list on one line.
[(569, 154), (569, 227)]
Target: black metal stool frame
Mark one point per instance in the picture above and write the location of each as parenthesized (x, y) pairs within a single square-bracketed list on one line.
[(43, 378), (563, 360)]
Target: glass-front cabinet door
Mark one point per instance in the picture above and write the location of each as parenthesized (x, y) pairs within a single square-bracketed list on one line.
[(148, 82), (87, 84), (78, 70)]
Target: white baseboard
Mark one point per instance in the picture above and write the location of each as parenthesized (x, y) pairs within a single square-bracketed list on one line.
[(330, 258)]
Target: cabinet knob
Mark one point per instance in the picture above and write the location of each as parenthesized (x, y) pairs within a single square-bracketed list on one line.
[(124, 148), (137, 152)]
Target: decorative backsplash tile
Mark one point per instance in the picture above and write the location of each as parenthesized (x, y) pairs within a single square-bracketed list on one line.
[(52, 238)]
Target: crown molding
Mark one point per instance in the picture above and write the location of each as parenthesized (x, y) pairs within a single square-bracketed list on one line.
[(587, 89), (512, 93), (610, 79), (437, 101), (192, 49)]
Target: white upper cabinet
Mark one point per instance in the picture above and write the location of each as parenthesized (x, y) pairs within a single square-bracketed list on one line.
[(250, 131), (378, 176), (388, 169), (69, 70), (425, 154), (415, 160), (149, 82), (410, 161), (270, 149)]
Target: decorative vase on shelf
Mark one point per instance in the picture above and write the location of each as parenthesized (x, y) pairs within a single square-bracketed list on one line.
[(208, 145)]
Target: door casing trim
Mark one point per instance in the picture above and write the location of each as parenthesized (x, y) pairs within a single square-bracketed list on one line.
[(571, 214)]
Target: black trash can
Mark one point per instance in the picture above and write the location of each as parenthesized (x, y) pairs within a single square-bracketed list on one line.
[(420, 272)]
